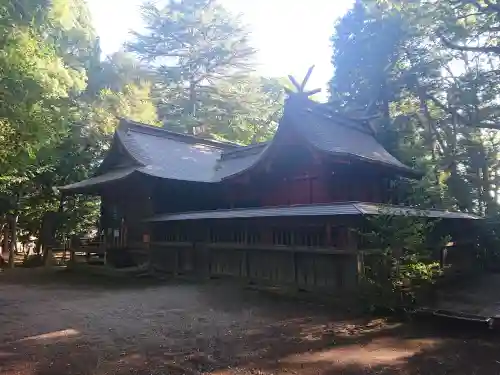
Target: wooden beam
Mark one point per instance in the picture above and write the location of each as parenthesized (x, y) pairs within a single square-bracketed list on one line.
[(328, 228), (360, 258), (294, 83), (312, 92), (306, 78)]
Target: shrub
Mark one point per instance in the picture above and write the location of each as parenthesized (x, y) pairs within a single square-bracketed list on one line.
[(402, 274)]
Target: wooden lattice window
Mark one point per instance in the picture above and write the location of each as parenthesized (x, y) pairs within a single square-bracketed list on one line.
[(177, 234), (253, 236), (282, 237), (227, 235), (310, 236), (338, 236)]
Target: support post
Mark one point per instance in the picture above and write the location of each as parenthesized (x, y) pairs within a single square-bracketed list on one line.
[(360, 257), (5, 244), (246, 251), (328, 229), (12, 226), (352, 239), (176, 262), (295, 270)]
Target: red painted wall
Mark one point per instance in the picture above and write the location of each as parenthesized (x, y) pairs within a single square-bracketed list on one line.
[(314, 186), (293, 174), (306, 186)]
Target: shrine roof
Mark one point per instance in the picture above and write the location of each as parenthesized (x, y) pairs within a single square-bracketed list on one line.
[(336, 134), (333, 209), (161, 153)]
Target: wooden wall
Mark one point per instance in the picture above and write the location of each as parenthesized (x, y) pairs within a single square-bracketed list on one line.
[(312, 253), (312, 182), (123, 210), (304, 268)]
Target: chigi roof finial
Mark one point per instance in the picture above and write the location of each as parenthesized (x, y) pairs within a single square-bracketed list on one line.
[(301, 87)]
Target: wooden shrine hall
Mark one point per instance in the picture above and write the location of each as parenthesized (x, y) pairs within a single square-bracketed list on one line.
[(284, 211)]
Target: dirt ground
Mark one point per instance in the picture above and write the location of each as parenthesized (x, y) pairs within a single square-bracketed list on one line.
[(69, 326)]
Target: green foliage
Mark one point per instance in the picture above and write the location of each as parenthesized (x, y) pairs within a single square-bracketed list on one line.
[(59, 106), (199, 61), (405, 266), (413, 64), (60, 99)]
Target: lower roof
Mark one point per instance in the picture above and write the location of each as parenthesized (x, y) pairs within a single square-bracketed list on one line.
[(90, 184), (334, 209)]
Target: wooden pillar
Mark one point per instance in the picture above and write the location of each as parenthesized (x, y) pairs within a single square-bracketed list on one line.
[(12, 219), (295, 268), (73, 244), (176, 262), (351, 239), (360, 258), (329, 240), (351, 245), (267, 234), (5, 244), (247, 255)]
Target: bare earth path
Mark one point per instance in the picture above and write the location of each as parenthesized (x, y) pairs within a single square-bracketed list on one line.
[(214, 328)]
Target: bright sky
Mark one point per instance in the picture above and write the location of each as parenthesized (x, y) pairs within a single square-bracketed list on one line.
[(291, 35)]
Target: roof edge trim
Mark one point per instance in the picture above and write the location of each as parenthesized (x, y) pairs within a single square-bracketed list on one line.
[(125, 124)]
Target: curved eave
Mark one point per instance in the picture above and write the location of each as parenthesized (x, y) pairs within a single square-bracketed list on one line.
[(256, 162), (396, 166), (94, 185), (262, 156), (402, 171), (119, 134)]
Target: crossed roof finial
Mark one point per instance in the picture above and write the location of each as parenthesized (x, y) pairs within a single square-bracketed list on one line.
[(301, 87)]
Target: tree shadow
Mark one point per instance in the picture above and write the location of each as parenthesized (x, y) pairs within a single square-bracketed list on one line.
[(284, 336)]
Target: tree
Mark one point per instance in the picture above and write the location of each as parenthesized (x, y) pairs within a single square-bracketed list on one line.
[(194, 50), (404, 267), (244, 110), (433, 101), (58, 109)]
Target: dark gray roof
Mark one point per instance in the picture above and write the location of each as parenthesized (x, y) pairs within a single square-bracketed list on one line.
[(165, 154), (335, 134), (83, 186), (344, 208), (170, 155)]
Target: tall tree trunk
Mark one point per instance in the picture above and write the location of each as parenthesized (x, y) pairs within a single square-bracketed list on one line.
[(45, 239), (192, 106), (385, 102), (38, 245), (2, 225), (5, 245), (489, 204), (12, 226)]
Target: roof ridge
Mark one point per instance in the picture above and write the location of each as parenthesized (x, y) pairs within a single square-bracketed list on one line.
[(322, 109), (248, 147), (243, 151), (344, 121), (127, 124)]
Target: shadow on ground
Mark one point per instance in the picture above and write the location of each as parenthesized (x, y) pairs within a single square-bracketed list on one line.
[(239, 332)]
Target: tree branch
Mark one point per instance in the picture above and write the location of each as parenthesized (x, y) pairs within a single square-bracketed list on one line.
[(494, 6), (458, 47), (462, 119)]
